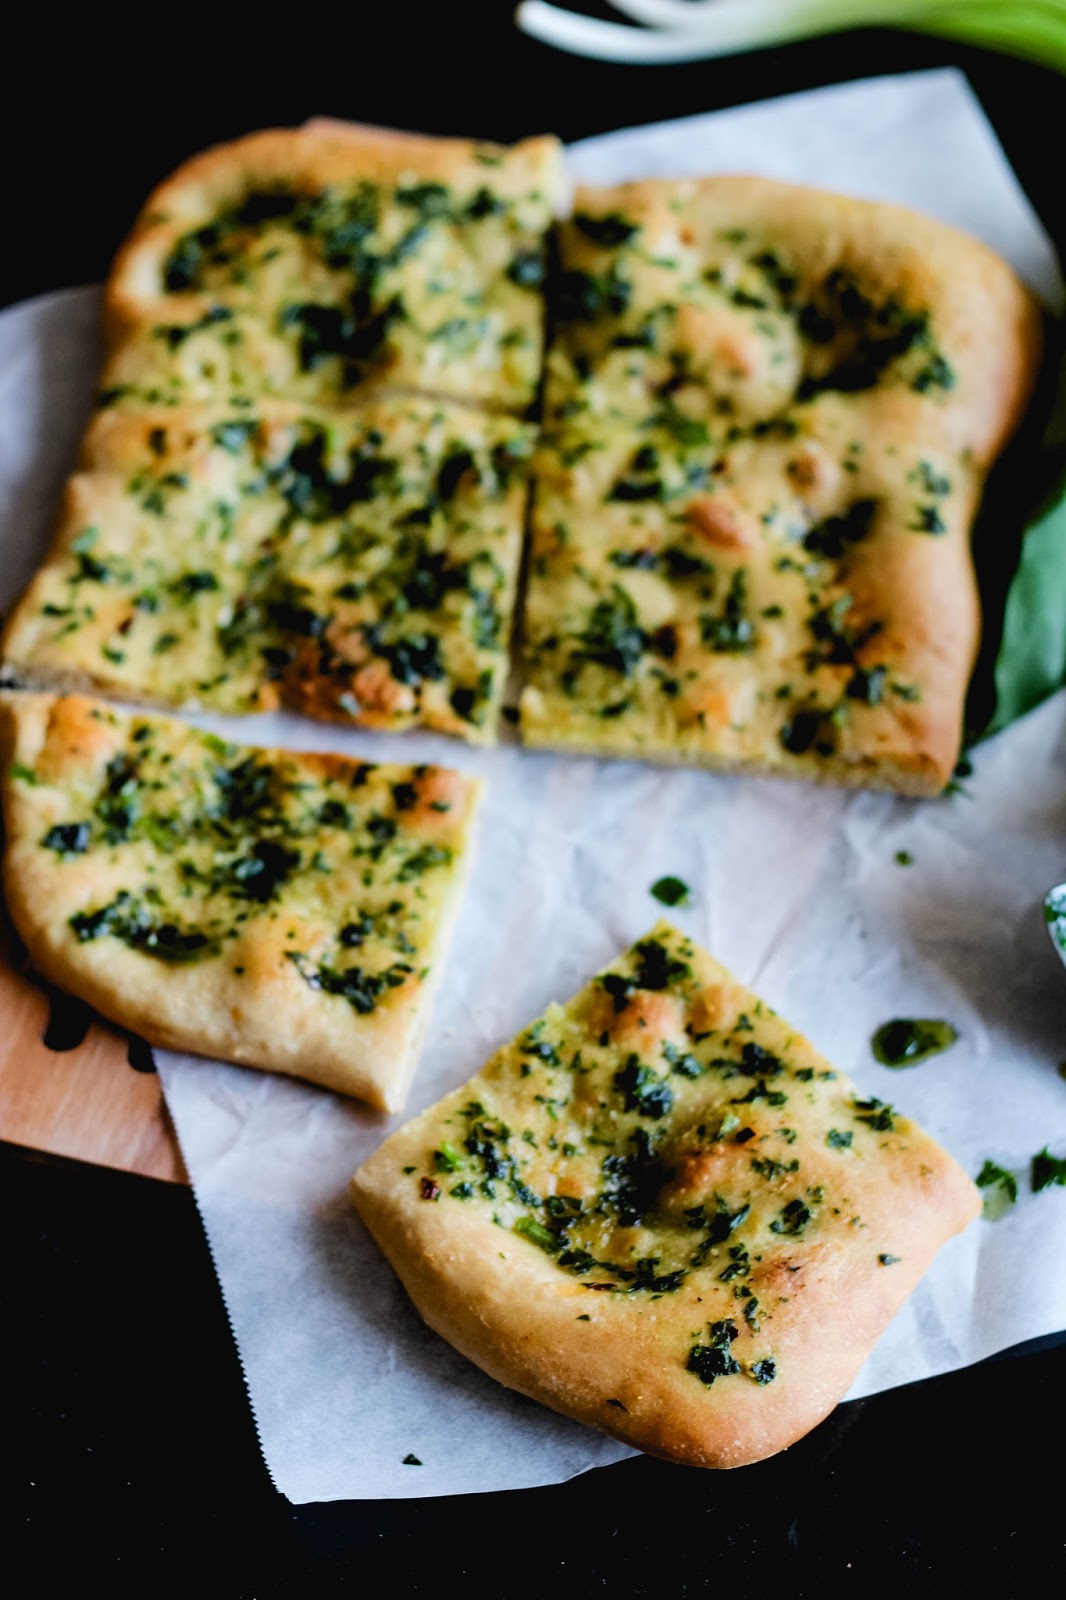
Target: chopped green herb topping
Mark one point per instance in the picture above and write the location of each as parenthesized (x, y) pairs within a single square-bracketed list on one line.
[(714, 1359), (671, 891), (875, 1114), (644, 1091), (1003, 1187), (1046, 1170), (130, 920), (68, 838)]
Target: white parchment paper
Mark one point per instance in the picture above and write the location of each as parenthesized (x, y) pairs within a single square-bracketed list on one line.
[(795, 888)]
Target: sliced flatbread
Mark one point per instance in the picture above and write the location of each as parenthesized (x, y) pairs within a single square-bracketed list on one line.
[(357, 566), (660, 1211), (277, 908), (314, 263), (770, 414)]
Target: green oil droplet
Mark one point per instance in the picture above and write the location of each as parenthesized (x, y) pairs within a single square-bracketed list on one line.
[(906, 1041)]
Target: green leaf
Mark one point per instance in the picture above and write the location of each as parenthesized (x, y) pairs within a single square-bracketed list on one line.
[(1031, 663), (1021, 564)]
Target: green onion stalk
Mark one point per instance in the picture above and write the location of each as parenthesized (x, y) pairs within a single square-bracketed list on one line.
[(693, 30)]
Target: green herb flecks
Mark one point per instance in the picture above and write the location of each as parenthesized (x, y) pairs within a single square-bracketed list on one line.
[(363, 990), (732, 631), (1046, 1170), (609, 230), (875, 1113), (68, 838), (835, 536), (1002, 1188), (643, 1090), (538, 1234), (714, 1359), (670, 891), (132, 922)]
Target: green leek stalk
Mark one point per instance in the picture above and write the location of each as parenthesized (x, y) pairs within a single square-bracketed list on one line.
[(1034, 29)]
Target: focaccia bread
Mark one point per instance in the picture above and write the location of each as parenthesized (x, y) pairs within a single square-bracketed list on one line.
[(660, 1211), (314, 263), (359, 566), (769, 417), (278, 908)]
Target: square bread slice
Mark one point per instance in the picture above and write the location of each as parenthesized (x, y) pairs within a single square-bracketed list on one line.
[(314, 263), (769, 417), (358, 566), (277, 908), (660, 1211)]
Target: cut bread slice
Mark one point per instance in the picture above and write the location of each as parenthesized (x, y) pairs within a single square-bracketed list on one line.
[(277, 908), (659, 1210), (770, 413), (316, 263), (358, 566)]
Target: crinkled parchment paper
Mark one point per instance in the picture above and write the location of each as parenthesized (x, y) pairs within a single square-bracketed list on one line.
[(795, 888)]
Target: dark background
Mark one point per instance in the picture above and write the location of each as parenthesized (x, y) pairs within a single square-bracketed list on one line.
[(127, 1446)]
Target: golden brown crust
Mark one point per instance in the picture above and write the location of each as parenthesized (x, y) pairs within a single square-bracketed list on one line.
[(661, 1212), (770, 412), (280, 909)]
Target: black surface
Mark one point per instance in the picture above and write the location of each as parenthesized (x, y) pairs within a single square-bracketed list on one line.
[(128, 1450), (132, 1455)]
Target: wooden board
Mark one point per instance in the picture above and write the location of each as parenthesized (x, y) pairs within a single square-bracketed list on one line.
[(72, 1085)]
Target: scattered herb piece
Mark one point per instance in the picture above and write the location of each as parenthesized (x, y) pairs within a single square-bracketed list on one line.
[(876, 1114), (537, 1233), (1046, 1170), (714, 1359), (1003, 1187), (671, 891), (68, 838)]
